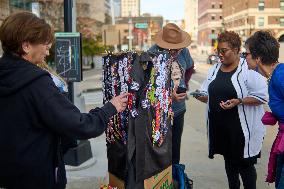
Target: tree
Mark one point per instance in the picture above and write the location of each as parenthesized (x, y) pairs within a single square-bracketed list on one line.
[(91, 47)]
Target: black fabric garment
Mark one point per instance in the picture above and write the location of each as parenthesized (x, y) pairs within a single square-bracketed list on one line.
[(139, 159), (116, 151), (147, 160), (60, 172), (247, 172), (225, 132), (136, 130), (157, 158), (177, 129), (33, 114)]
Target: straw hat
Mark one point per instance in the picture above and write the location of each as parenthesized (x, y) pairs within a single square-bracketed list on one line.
[(172, 37)]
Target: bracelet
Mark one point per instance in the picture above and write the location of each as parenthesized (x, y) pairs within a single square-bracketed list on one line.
[(240, 100)]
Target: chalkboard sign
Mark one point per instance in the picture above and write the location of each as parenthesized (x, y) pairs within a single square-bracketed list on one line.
[(68, 56)]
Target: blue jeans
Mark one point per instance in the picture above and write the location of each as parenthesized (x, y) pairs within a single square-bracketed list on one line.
[(279, 181)]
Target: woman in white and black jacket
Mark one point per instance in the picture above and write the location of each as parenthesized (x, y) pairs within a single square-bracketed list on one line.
[(234, 101)]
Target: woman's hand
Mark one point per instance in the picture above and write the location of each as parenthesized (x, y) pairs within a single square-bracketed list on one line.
[(120, 102), (229, 104), (178, 97), (202, 98)]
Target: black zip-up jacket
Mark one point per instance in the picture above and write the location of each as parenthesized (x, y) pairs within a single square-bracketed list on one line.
[(33, 113)]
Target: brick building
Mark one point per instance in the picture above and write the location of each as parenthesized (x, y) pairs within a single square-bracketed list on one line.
[(248, 16), (209, 23), (131, 7)]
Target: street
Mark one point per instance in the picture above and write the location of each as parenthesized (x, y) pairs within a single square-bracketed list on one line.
[(205, 173)]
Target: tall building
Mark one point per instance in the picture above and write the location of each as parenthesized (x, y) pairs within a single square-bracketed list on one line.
[(191, 20), (108, 7), (247, 16), (209, 23), (117, 8), (130, 8)]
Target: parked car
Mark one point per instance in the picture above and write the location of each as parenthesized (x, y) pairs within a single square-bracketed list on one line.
[(212, 59)]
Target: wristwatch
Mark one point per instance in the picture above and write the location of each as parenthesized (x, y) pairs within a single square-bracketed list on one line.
[(240, 100)]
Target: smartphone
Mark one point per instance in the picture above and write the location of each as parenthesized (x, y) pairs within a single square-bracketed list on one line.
[(198, 93), (181, 90)]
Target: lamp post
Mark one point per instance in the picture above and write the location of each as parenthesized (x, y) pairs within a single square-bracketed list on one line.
[(82, 152)]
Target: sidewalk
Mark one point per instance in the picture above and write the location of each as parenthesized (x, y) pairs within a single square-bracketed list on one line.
[(93, 173), (92, 80)]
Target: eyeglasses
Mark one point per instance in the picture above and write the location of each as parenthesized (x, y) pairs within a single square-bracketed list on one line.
[(244, 54), (222, 51)]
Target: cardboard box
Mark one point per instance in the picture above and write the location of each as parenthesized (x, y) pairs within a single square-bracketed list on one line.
[(116, 182), (162, 180)]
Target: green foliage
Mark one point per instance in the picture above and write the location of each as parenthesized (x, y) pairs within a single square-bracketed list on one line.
[(91, 46)]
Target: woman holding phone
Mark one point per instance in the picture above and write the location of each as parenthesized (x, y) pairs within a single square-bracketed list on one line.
[(234, 95)]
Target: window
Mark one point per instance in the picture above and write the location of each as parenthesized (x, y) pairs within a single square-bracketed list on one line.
[(213, 5), (281, 21), (281, 4), (212, 17), (221, 17), (220, 5), (261, 21), (261, 5)]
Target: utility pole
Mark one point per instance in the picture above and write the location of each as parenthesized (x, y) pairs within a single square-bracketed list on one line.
[(82, 152)]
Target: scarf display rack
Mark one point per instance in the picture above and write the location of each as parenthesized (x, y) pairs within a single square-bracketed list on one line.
[(139, 138)]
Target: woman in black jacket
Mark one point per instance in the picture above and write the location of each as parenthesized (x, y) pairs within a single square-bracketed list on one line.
[(33, 112)]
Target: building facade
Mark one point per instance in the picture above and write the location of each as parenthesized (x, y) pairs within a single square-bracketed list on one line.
[(130, 8), (209, 23), (141, 30), (117, 8), (191, 18), (247, 16)]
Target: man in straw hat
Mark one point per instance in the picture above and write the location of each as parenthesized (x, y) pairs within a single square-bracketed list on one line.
[(174, 40)]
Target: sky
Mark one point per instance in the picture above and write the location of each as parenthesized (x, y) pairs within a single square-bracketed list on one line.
[(169, 9)]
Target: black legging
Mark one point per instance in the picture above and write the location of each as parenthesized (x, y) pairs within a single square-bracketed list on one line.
[(176, 140), (247, 172)]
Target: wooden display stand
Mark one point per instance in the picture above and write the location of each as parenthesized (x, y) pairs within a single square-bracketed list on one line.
[(162, 180)]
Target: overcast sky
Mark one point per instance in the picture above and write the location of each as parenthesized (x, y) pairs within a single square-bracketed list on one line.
[(169, 9)]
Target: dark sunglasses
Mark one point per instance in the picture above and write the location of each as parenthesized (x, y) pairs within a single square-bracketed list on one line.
[(222, 51), (244, 54)]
